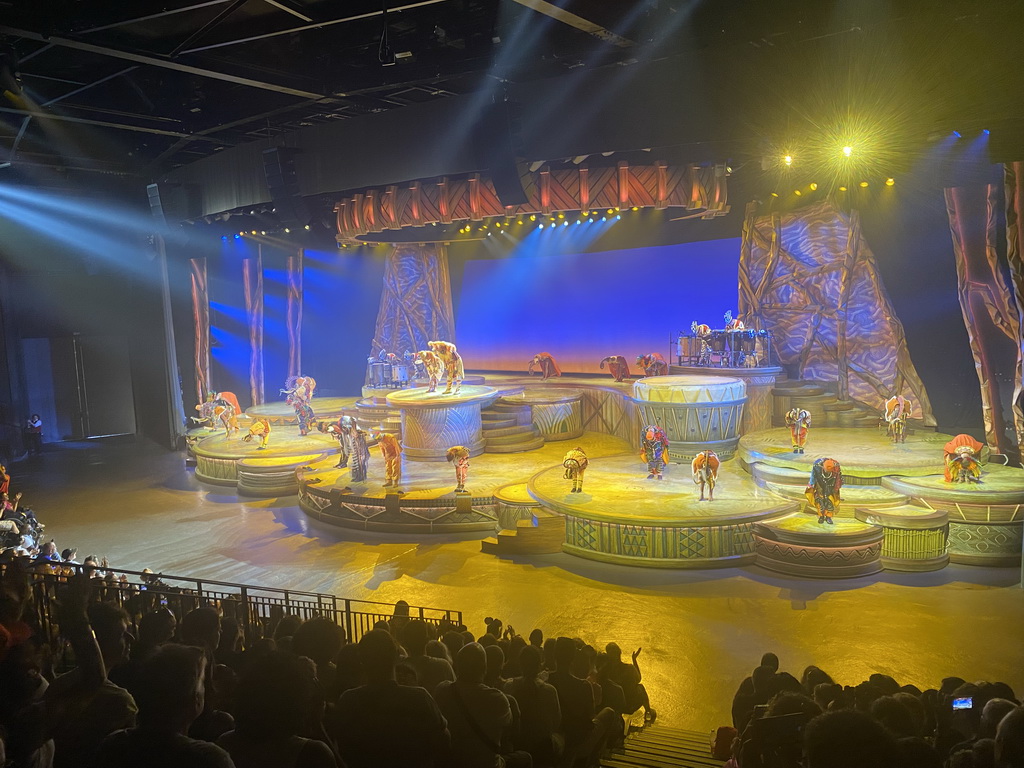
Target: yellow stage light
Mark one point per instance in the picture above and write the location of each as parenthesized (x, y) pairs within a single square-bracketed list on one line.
[(847, 151), (635, 208), (775, 194), (561, 215), (307, 227), (863, 183), (797, 192), (533, 217), (787, 160), (254, 231), (814, 186), (610, 211), (287, 231), (842, 189), (890, 182)]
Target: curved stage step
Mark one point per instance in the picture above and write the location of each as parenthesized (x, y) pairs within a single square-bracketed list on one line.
[(798, 545)]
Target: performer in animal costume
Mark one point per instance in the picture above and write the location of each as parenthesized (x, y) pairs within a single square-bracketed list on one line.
[(222, 407), (335, 430), (617, 367), (260, 428), (963, 460), (358, 453), (546, 363), (823, 489), (391, 451), (798, 420), (452, 360), (653, 364), (705, 472), (702, 331), (432, 367), (897, 411), (299, 392), (654, 450), (459, 455), (575, 463)]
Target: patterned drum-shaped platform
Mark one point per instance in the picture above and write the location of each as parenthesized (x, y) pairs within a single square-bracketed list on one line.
[(696, 412), (432, 422), (557, 413), (798, 545)]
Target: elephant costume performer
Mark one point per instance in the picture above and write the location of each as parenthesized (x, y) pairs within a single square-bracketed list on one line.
[(391, 450), (459, 455), (259, 428), (798, 420), (298, 391), (575, 463), (335, 430), (897, 411), (963, 460), (358, 453), (453, 368), (823, 489), (654, 450), (617, 367), (546, 363), (222, 407), (705, 472), (653, 364)]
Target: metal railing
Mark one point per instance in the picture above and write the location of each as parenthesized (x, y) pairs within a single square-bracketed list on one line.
[(141, 593)]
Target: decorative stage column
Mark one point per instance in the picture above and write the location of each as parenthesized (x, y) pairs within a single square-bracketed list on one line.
[(433, 422), (294, 317), (201, 324), (252, 279), (823, 299), (990, 314), (1014, 176), (416, 302)]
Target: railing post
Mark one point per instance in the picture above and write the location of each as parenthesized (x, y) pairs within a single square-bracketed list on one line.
[(245, 615), (348, 620)]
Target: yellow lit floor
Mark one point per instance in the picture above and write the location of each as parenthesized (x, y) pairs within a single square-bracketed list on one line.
[(701, 632)]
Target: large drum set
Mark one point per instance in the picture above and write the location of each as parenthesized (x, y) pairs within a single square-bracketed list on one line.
[(724, 348)]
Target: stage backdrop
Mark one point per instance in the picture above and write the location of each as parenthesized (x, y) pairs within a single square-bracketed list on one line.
[(582, 307)]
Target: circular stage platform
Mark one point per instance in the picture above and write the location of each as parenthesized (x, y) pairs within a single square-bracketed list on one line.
[(622, 517), (557, 412), (866, 455), (237, 463), (432, 422), (279, 412)]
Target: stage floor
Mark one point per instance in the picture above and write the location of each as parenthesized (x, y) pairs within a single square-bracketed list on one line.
[(285, 440), (279, 412)]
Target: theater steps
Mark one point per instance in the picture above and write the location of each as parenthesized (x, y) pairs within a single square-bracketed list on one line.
[(659, 747), (540, 534), (507, 429)]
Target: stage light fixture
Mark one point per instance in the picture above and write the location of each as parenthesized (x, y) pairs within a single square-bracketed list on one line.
[(287, 231), (306, 227), (263, 232), (237, 236), (958, 134), (224, 238), (814, 186), (775, 194), (863, 184), (565, 223), (254, 232), (488, 234), (585, 213), (787, 160), (617, 218), (797, 192), (533, 217), (847, 151), (561, 215), (541, 226), (604, 218), (842, 189), (986, 131), (610, 211), (889, 182)]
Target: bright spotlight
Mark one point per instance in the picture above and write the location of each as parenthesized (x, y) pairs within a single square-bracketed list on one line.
[(287, 231), (306, 227), (577, 221), (986, 131), (814, 186), (787, 160), (863, 184), (561, 215), (254, 232), (958, 134), (842, 189), (610, 211), (797, 192), (533, 217), (263, 232), (617, 218), (889, 182), (565, 223), (224, 238), (635, 208), (847, 151), (541, 226), (775, 194), (238, 235)]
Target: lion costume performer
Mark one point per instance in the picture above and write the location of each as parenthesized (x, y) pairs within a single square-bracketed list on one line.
[(452, 360), (334, 429), (259, 428), (391, 451), (546, 363), (358, 453), (575, 463), (653, 364), (459, 456), (705, 472), (222, 407), (617, 367), (897, 411), (963, 460), (298, 391), (654, 450), (432, 367), (823, 489), (798, 420)]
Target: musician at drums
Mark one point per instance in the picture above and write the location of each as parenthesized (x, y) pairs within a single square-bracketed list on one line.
[(798, 420)]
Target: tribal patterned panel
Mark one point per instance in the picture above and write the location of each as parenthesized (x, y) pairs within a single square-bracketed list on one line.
[(988, 544), (659, 542), (810, 278), (442, 427), (558, 421)]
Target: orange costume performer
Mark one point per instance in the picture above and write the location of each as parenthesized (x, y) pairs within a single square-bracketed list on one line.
[(617, 367), (798, 420), (823, 489), (897, 411), (459, 455), (453, 368), (653, 364), (705, 472), (546, 363), (391, 450), (259, 428), (963, 460), (222, 407)]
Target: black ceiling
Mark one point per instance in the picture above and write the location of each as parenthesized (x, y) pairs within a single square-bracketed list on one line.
[(139, 88)]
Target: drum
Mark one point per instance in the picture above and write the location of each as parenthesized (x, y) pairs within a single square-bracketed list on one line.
[(688, 348), (380, 374), (717, 341), (400, 375), (747, 341)]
